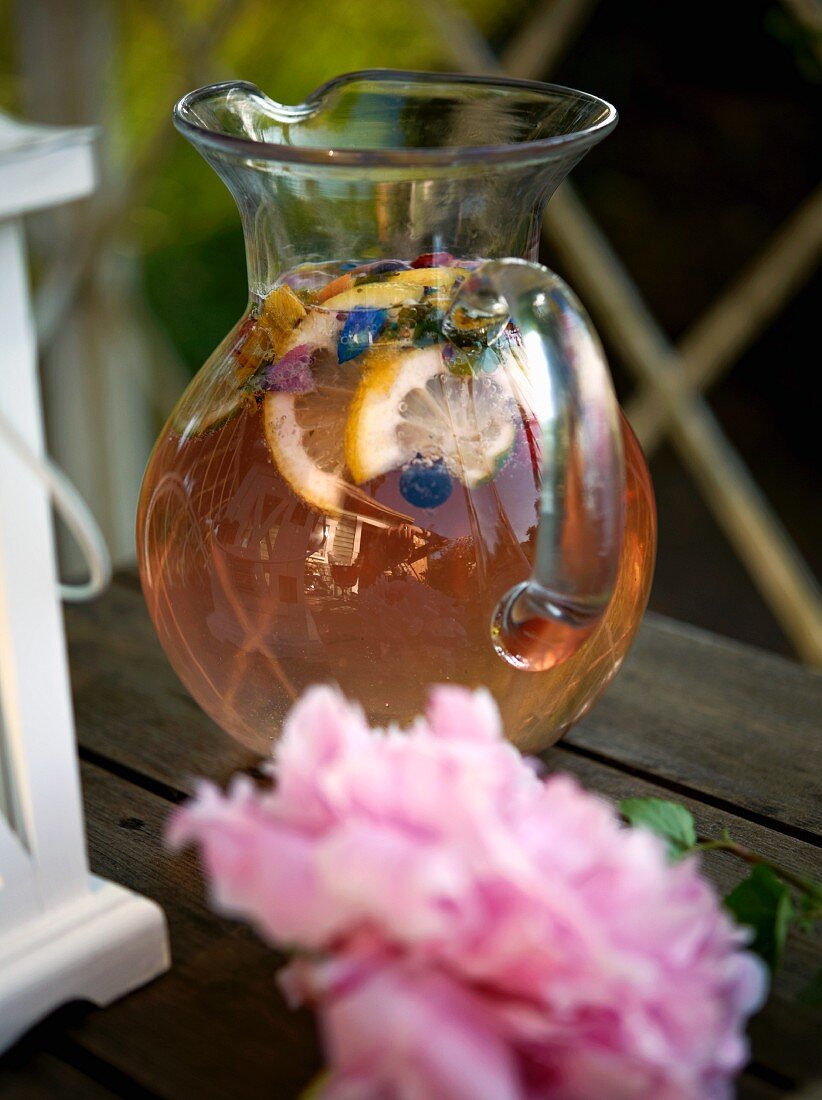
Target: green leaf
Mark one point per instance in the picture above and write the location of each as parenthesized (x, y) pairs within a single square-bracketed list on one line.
[(315, 1087), (667, 819), (812, 993), (812, 901), (810, 908), (764, 903)]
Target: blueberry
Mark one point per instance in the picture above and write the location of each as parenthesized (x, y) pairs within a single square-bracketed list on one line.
[(382, 267), (426, 484), (361, 327)]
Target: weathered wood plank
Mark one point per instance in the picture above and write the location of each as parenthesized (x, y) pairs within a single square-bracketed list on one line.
[(42, 1076), (218, 1010), (686, 709), (132, 708), (794, 854), (750, 1087), (216, 1025), (725, 720)]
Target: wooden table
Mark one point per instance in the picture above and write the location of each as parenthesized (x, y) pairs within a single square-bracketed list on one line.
[(730, 731)]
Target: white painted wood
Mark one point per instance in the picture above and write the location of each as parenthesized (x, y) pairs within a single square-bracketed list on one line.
[(63, 934), (105, 943), (5, 792), (42, 166), (18, 882), (33, 672)]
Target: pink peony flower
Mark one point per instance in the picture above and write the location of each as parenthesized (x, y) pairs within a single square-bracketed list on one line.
[(475, 931)]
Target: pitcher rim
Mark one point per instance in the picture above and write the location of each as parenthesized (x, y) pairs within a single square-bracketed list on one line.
[(413, 156)]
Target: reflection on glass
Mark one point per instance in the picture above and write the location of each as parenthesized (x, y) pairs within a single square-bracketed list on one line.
[(357, 477), (5, 773)]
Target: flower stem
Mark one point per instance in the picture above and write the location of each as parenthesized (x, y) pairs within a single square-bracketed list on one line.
[(805, 885)]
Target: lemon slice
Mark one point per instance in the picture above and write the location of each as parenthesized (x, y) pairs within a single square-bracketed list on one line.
[(408, 404), (305, 431), (376, 296), (265, 334), (439, 277), (319, 329), (281, 311), (437, 282)]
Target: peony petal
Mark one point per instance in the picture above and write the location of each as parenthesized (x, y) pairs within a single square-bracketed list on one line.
[(401, 883), (451, 893), (435, 1040), (455, 713), (257, 868), (292, 373)]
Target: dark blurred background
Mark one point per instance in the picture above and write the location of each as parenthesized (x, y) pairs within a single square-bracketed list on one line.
[(718, 144), (719, 141)]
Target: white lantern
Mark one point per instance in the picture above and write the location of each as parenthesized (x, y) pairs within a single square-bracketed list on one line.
[(64, 934)]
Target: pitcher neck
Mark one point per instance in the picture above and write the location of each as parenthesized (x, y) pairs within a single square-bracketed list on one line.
[(290, 220)]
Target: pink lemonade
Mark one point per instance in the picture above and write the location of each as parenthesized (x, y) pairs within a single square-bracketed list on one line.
[(346, 492)]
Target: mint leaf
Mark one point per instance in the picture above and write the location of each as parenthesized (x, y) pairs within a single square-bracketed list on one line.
[(764, 903), (667, 819)]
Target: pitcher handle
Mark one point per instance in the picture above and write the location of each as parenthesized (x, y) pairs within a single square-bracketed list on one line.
[(543, 621)]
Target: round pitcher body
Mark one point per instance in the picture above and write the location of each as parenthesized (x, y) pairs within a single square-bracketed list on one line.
[(354, 481)]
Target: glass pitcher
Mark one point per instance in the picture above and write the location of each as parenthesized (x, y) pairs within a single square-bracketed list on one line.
[(405, 464)]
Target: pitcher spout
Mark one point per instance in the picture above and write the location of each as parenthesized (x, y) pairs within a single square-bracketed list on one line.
[(383, 117), (386, 163)]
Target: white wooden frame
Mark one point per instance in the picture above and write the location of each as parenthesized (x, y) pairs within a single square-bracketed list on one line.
[(64, 934)]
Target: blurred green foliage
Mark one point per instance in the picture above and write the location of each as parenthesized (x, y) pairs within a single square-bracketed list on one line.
[(183, 222)]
